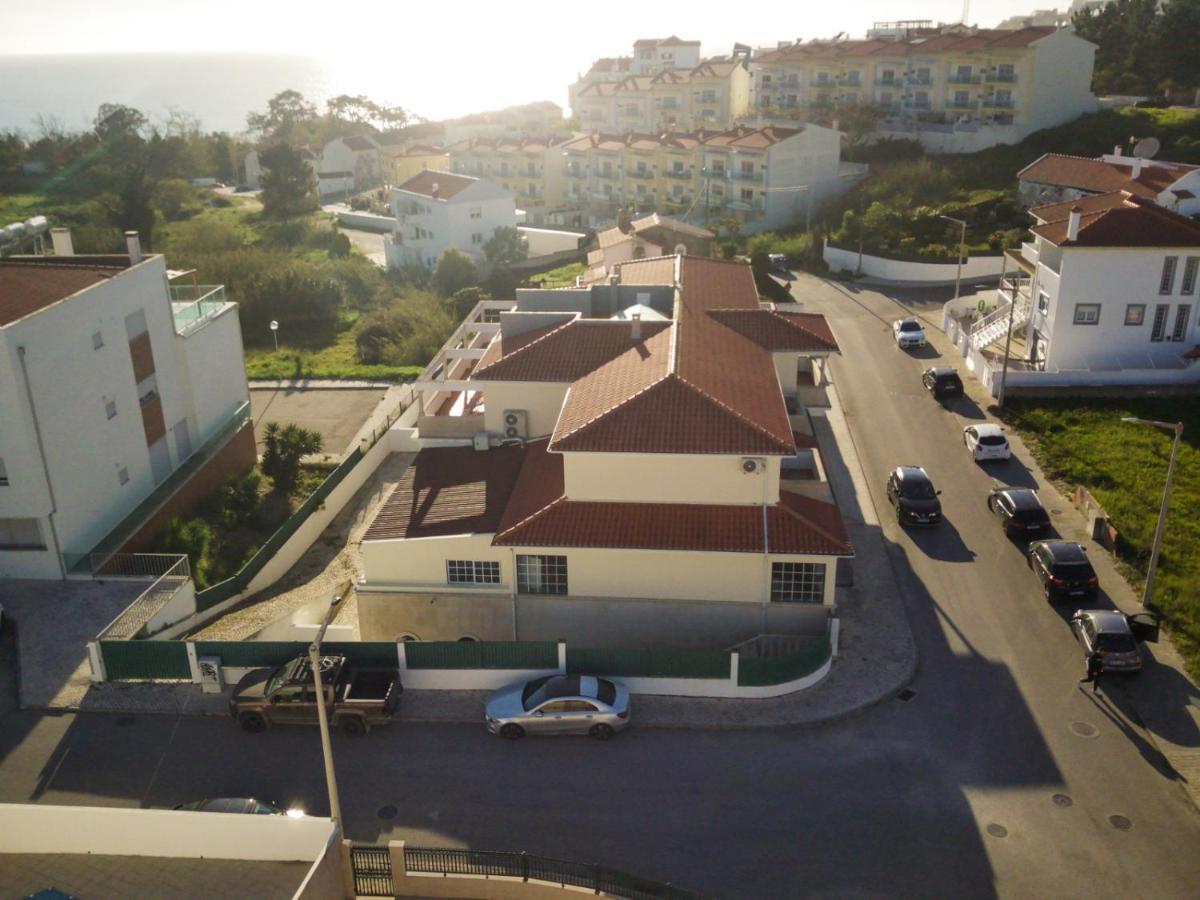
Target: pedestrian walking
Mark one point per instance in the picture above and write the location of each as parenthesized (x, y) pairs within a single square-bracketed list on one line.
[(1095, 665)]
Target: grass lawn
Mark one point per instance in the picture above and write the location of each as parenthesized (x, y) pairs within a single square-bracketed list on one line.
[(1084, 442), (336, 361), (563, 276)]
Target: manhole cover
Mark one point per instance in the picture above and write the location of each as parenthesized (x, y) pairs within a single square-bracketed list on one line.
[(1062, 800), (1120, 823), (1085, 729), (905, 695), (125, 721), (387, 812), (997, 831)]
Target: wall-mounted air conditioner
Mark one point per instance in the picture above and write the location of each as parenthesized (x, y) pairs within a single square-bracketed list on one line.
[(753, 466), (516, 424)]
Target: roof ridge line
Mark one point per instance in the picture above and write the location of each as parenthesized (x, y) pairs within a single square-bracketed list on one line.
[(529, 518), (522, 349), (730, 410), (612, 409), (809, 522), (784, 317)]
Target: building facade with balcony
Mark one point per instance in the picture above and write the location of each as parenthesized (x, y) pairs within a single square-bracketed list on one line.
[(1104, 294), (648, 479), (438, 210), (954, 88), (711, 94), (650, 57), (531, 168), (116, 388), (764, 177), (1057, 177)]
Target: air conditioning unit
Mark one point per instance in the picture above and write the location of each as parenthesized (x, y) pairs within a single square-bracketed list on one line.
[(516, 424), (753, 466)]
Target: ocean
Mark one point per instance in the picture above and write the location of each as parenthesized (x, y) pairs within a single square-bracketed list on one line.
[(220, 89)]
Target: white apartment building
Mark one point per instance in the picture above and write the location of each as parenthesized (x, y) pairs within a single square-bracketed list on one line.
[(766, 177), (526, 120), (955, 88), (1106, 293), (617, 480), (531, 168), (115, 384), (711, 94), (1056, 177), (438, 210), (356, 156), (652, 55)]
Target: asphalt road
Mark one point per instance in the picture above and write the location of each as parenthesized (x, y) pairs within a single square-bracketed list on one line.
[(998, 778)]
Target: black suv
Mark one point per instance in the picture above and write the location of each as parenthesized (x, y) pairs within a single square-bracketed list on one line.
[(1019, 511), (911, 492), (1064, 570), (943, 382)]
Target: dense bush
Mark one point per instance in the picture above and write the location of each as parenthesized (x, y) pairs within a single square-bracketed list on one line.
[(408, 331), (284, 446)]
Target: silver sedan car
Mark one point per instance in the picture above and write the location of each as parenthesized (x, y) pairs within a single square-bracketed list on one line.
[(559, 704)]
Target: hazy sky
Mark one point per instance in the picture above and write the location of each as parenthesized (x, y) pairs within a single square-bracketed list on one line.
[(466, 31)]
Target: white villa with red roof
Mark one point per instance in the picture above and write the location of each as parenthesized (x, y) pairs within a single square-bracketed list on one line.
[(1105, 294), (614, 480), (1056, 177)]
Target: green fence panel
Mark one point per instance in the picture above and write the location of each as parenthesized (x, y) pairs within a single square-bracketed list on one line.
[(481, 654), (218, 593), (648, 663), (768, 670), (135, 660), (364, 653), (252, 654)]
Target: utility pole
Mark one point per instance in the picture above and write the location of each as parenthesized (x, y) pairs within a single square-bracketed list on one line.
[(1160, 529), (962, 247), (1012, 309), (314, 660)]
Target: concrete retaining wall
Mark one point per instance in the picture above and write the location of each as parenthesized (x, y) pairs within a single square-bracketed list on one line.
[(913, 272), (366, 221)]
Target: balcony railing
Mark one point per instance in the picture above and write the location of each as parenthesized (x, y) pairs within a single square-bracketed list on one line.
[(742, 175), (998, 78), (963, 79), (640, 173), (962, 104), (193, 304), (715, 172), (993, 103), (684, 174), (887, 82)]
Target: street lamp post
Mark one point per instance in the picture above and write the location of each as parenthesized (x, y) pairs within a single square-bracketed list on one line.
[(275, 334), (962, 248), (314, 659), (1177, 428)]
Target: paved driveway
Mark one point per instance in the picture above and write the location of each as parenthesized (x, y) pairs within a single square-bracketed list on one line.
[(335, 413)]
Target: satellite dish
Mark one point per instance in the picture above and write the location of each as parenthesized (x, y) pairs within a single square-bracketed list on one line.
[(1146, 148)]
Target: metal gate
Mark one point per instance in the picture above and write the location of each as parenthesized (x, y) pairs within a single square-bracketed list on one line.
[(372, 868), (145, 659)]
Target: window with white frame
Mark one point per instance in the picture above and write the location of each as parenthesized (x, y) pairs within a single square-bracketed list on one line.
[(1087, 313), (1166, 283), (476, 212), (472, 571), (1043, 303), (477, 238), (793, 582), (1182, 314), (1159, 329), (538, 574), (1135, 314), (1189, 275), (21, 534)]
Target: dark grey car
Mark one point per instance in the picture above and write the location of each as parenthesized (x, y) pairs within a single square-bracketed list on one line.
[(559, 704)]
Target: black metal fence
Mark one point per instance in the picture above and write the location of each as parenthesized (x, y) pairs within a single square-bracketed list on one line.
[(511, 864), (372, 868)]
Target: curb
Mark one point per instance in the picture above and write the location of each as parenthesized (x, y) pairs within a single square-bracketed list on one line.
[(321, 384)]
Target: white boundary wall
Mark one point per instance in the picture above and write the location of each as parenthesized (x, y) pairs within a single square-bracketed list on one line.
[(41, 828), (840, 260)]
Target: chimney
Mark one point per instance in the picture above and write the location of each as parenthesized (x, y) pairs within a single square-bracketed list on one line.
[(636, 318), (1073, 223), (60, 239), (134, 244), (1137, 168)]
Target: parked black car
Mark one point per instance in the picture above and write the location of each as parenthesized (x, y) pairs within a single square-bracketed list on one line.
[(911, 492), (1064, 570), (943, 382), (1019, 511)]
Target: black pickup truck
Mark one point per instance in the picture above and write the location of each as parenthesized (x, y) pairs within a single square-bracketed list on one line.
[(355, 699)]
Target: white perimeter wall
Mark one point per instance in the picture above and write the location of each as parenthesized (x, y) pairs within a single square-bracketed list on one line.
[(41, 828), (921, 273)]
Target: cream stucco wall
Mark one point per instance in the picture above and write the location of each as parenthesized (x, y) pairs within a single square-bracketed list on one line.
[(542, 401), (668, 478)]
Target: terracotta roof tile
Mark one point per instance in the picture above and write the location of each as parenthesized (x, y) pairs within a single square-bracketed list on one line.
[(27, 286), (448, 184), (779, 331), (1099, 176), (568, 352), (449, 490), (501, 346), (654, 220), (652, 270), (1121, 220), (358, 143)]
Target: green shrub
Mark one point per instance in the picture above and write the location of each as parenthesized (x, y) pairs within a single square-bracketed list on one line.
[(238, 499), (284, 447), (192, 537)]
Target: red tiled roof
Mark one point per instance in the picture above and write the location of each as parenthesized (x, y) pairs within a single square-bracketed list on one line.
[(570, 351), (1099, 176), (651, 270), (30, 285), (539, 515), (779, 331), (654, 220), (1119, 219), (448, 184), (501, 346), (922, 44), (449, 490), (358, 143)]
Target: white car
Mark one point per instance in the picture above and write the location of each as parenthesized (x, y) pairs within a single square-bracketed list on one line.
[(908, 333), (986, 442)]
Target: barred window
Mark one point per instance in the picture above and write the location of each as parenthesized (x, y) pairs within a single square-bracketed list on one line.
[(797, 582), (541, 574), (1189, 274), (467, 571), (1166, 283)]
